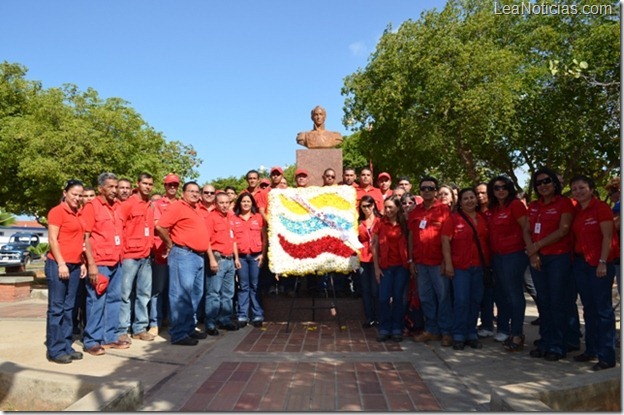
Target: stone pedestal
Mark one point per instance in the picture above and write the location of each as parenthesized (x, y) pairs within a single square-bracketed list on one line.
[(315, 161), (15, 288)]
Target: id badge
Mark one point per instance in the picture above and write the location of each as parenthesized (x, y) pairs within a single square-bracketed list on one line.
[(117, 240), (231, 234), (423, 224), (538, 228), (146, 231)]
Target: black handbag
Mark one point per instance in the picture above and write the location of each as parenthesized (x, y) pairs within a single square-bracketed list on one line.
[(488, 274)]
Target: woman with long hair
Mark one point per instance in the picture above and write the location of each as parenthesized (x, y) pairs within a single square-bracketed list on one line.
[(390, 258), (595, 248), (446, 195), (466, 257), (368, 219), (507, 223), (250, 234), (64, 267)]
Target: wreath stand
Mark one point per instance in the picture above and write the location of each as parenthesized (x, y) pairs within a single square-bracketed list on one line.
[(314, 306)]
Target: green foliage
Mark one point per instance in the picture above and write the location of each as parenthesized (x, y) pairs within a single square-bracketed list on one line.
[(40, 249), (465, 94), (48, 136), (6, 219)]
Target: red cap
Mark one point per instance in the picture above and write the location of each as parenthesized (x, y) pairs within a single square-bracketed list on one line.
[(171, 178), (265, 181), (301, 171), (384, 174), (277, 168), (219, 191)]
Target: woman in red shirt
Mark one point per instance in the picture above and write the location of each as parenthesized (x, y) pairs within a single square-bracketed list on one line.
[(389, 246), (595, 248), (251, 240), (64, 268), (462, 235), (368, 219), (507, 222)]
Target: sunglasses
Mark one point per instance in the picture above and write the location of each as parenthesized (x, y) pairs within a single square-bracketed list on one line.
[(408, 203), (330, 177), (366, 206), (547, 180), (209, 193), (499, 188), (427, 188)]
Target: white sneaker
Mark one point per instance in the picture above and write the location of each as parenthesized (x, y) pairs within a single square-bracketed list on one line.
[(485, 333), (501, 337)]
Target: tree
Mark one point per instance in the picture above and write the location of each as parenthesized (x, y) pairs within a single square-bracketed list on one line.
[(465, 94)]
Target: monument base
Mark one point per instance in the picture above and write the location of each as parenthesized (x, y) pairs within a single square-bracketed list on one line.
[(315, 161)]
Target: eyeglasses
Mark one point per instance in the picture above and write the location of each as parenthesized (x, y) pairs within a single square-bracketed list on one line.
[(427, 188), (547, 180), (172, 184), (408, 203), (499, 188), (209, 193), (366, 206), (330, 177)]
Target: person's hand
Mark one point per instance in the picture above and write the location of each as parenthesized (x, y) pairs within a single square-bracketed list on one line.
[(536, 262), (413, 270), (63, 271), (449, 271), (378, 274), (83, 271), (93, 273), (260, 260), (237, 264), (601, 270), (214, 266)]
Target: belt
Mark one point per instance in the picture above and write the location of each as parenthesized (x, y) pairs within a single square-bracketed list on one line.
[(186, 248), (250, 254), (219, 255)]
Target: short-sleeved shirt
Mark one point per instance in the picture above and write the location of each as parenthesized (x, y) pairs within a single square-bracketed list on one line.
[(262, 198), (506, 234), (71, 233), (588, 234), (544, 219), (464, 251), (248, 233), (221, 232), (374, 192), (160, 206), (426, 228), (186, 226), (365, 236), (104, 222), (138, 218), (392, 244)]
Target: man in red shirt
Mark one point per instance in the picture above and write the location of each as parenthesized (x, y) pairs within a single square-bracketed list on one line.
[(103, 225), (160, 270), (348, 177), (276, 176), (138, 217), (185, 238), (124, 189), (384, 181), (301, 178), (367, 188), (223, 260)]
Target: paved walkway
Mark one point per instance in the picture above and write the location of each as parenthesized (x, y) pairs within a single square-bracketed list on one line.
[(315, 366)]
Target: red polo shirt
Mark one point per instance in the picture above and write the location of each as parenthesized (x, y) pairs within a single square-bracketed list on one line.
[(160, 206), (185, 225), (138, 217), (220, 232), (374, 192), (105, 225), (426, 227), (464, 251), (587, 233), (364, 236), (71, 233), (548, 217), (262, 198), (506, 234), (392, 244), (248, 233)]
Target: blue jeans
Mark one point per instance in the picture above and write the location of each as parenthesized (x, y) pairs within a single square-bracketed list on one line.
[(159, 303), (597, 309), (186, 273), (61, 303), (248, 276), (139, 270), (552, 283), (392, 286), (103, 310), (434, 291), (467, 296), (509, 271), (487, 309), (219, 294), (370, 290)]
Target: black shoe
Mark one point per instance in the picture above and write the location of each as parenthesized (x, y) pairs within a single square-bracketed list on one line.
[(76, 355), (228, 327), (241, 323), (584, 358), (62, 359), (573, 348), (256, 323), (397, 338), (197, 335), (552, 356), (212, 332), (537, 353), (536, 342), (475, 344), (602, 365), (536, 322), (458, 345), (368, 324), (383, 337), (187, 341)]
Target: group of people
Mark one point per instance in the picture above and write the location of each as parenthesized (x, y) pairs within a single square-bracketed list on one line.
[(201, 258)]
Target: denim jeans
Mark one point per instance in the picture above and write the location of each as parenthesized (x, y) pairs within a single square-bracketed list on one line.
[(370, 290), (139, 270), (248, 276), (392, 286), (434, 291), (552, 284), (467, 296), (509, 271), (61, 303), (597, 309), (103, 310), (219, 294), (185, 269), (486, 309), (159, 303)]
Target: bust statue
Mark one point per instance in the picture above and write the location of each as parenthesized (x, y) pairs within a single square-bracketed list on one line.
[(319, 137)]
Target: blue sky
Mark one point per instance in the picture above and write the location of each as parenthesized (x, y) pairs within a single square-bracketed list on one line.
[(234, 79)]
